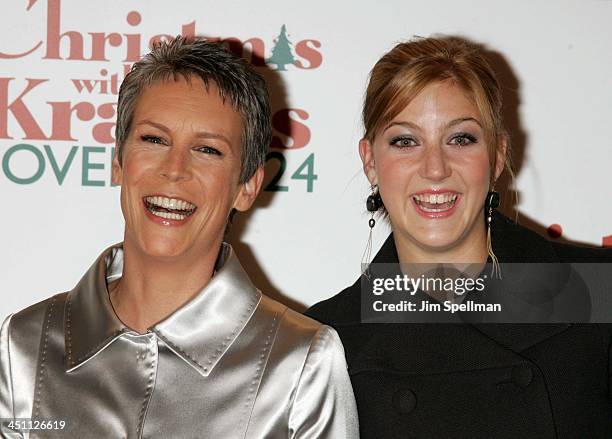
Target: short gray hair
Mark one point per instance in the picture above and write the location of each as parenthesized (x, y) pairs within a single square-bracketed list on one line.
[(209, 61)]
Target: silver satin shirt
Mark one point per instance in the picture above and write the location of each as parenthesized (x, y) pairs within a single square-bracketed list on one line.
[(231, 363)]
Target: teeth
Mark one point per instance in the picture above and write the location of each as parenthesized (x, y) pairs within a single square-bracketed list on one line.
[(436, 198), (428, 209), (170, 203), (168, 215)]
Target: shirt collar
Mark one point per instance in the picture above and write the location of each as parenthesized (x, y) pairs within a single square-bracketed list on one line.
[(200, 332)]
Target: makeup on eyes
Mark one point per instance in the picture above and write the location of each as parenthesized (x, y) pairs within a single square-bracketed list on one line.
[(405, 141), (152, 139), (160, 141), (470, 138), (208, 150)]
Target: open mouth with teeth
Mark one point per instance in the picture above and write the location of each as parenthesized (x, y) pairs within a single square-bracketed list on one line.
[(169, 208), (435, 203)]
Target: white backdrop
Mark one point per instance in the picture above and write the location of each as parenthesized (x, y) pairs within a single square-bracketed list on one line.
[(555, 59)]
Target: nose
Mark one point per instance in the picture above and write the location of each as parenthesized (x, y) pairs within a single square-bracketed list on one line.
[(175, 165), (434, 164)]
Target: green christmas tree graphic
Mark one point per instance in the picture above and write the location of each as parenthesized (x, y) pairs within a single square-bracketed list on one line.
[(281, 52)]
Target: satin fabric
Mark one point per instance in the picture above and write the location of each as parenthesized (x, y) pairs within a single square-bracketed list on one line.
[(232, 363)]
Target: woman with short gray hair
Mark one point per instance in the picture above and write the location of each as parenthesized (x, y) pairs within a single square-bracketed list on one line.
[(165, 335)]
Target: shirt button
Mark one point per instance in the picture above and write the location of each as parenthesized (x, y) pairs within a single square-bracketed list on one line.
[(404, 401), (522, 375)]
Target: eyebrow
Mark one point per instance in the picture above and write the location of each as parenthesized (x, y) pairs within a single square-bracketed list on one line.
[(200, 134), (463, 119), (408, 124)]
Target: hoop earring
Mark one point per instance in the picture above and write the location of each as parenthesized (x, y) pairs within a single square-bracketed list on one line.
[(492, 202), (373, 204)]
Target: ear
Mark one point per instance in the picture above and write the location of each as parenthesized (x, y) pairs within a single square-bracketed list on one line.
[(500, 160), (367, 158), (248, 191), (117, 170)]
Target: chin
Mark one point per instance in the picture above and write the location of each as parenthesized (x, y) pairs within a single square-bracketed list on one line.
[(160, 248), (436, 239), (437, 243), (160, 245)]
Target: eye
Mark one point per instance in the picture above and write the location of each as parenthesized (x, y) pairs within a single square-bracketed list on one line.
[(152, 139), (208, 150), (403, 141), (463, 139)]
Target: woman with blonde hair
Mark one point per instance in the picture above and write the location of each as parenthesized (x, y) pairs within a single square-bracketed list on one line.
[(433, 150)]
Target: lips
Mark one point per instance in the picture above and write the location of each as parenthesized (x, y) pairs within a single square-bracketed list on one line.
[(436, 204), (168, 208)]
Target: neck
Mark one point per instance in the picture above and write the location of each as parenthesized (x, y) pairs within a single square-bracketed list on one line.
[(152, 288), (471, 250), (466, 258)]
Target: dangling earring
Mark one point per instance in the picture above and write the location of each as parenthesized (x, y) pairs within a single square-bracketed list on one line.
[(373, 204), (492, 202)]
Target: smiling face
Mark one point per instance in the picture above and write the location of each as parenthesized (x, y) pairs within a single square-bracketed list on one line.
[(431, 165), (180, 170)]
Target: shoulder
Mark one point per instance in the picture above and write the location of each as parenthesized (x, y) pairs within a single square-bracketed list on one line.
[(513, 242), (297, 331), (306, 370), (22, 331), (30, 320), (574, 253), (20, 339), (342, 308), (322, 403)]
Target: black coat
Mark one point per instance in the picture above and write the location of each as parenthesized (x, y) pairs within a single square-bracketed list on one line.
[(479, 380)]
